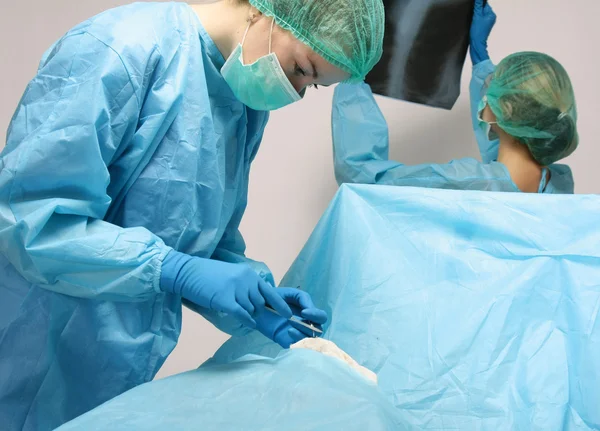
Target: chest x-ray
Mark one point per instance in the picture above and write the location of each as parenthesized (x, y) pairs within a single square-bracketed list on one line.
[(424, 51)]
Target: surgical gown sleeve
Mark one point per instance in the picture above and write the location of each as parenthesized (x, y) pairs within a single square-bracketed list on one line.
[(72, 122), (360, 136), (231, 247), (360, 144), (481, 71)]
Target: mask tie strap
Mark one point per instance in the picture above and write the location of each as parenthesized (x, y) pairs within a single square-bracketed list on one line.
[(244, 38), (247, 28), (271, 34)]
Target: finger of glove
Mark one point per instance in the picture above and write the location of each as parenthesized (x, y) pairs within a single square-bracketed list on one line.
[(306, 331), (242, 297), (296, 297), (242, 315), (257, 299), (272, 297), (309, 311), (269, 322), (288, 337), (295, 335), (314, 315), (280, 335), (489, 13)]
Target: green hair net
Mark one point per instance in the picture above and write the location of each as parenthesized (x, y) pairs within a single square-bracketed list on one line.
[(346, 33), (532, 98)]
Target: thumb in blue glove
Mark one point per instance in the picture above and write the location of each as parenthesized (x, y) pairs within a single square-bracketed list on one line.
[(283, 331), (483, 22)]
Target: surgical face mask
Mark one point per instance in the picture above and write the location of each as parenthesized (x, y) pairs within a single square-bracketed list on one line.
[(485, 126), (262, 85)]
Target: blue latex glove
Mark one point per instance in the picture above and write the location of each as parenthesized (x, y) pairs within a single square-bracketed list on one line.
[(283, 331), (226, 287), (483, 22)]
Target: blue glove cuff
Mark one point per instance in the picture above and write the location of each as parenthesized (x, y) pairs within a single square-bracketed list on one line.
[(478, 53), (171, 267)]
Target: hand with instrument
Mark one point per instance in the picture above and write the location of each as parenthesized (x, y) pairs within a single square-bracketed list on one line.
[(307, 320), (225, 287)]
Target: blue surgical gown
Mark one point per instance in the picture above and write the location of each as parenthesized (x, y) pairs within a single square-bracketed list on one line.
[(360, 141), (126, 144)]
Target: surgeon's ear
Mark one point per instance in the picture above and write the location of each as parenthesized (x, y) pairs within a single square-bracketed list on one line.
[(488, 115), (254, 15)]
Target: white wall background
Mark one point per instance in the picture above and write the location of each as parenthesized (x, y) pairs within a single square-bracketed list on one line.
[(292, 179)]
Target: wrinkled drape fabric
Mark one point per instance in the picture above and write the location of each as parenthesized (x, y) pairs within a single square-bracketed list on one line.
[(477, 310), (300, 390)]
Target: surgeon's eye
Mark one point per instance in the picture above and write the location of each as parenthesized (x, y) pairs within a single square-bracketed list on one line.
[(315, 86), (299, 71)]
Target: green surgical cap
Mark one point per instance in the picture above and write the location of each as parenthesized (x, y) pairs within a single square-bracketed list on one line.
[(346, 33), (533, 100)]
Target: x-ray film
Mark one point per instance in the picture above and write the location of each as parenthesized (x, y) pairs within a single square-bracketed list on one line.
[(424, 51)]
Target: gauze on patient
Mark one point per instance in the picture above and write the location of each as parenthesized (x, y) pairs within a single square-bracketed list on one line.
[(329, 348)]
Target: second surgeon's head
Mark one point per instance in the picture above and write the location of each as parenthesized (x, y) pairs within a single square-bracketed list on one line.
[(530, 97)]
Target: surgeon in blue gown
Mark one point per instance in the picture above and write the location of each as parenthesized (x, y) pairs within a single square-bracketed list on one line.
[(524, 116), (124, 180)]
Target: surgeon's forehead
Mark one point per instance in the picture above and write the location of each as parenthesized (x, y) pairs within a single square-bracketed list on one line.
[(327, 73)]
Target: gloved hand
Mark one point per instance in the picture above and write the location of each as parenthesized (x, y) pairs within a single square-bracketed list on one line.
[(230, 288), (284, 332), (483, 22)]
